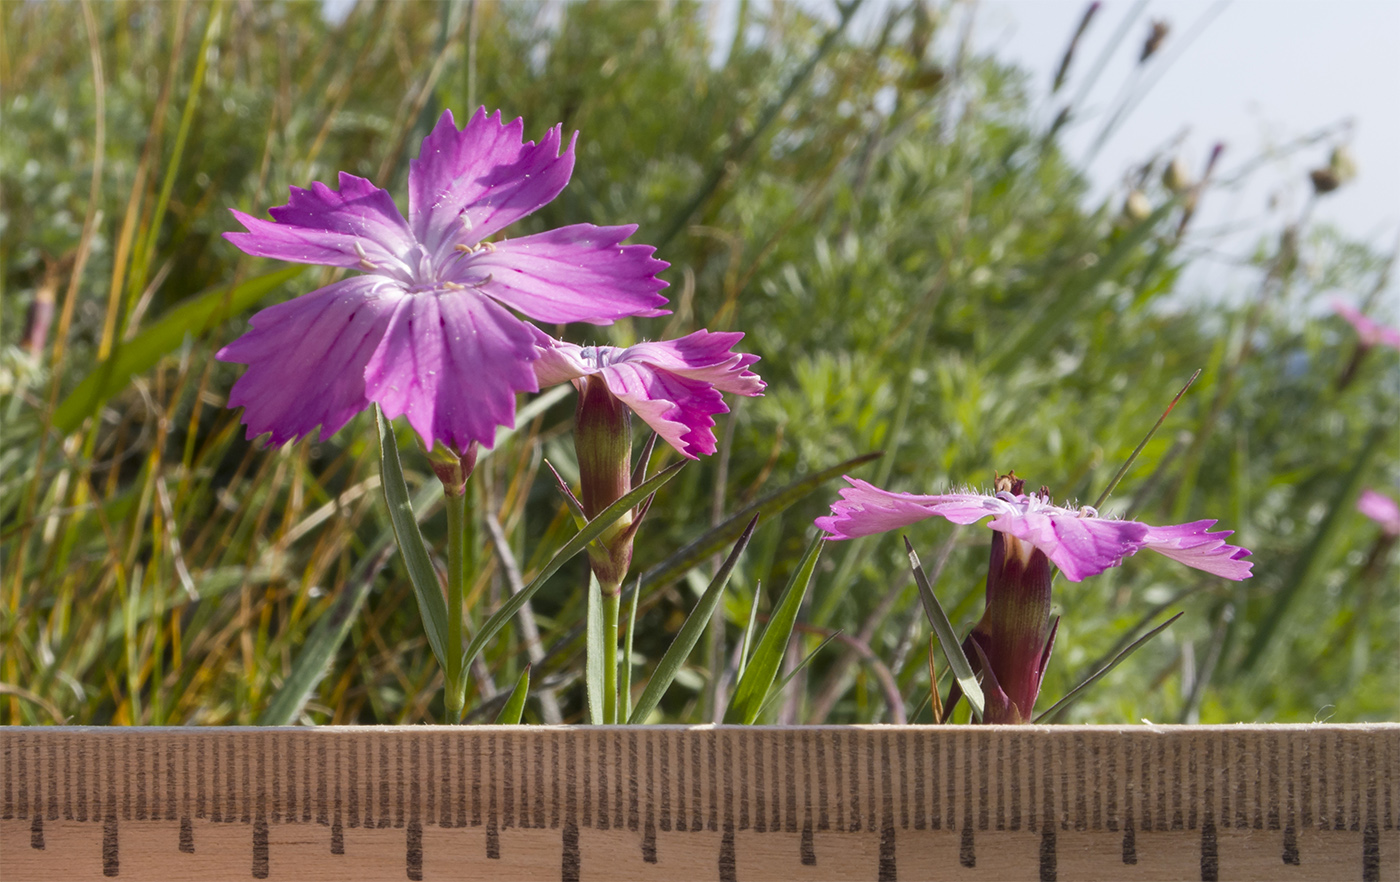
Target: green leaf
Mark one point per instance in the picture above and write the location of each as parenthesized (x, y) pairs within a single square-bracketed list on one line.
[(774, 693), (421, 573), (595, 527), (1304, 570), (746, 644), (515, 705), (625, 687), (331, 630), (195, 317), (593, 667), (952, 647), (752, 690), (690, 633), (1074, 694)]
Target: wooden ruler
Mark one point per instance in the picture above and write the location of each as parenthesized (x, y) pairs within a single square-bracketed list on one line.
[(876, 802)]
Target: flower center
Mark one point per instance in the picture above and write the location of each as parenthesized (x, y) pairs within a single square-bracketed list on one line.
[(598, 357)]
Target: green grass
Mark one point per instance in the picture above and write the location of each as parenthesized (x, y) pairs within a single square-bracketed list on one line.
[(916, 262)]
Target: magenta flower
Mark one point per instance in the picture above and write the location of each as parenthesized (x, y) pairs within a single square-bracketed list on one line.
[(1010, 645), (1381, 509), (1369, 331), (1079, 542), (425, 328), (675, 386)]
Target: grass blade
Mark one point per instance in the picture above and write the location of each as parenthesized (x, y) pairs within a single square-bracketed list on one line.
[(595, 527), (746, 643), (1077, 692), (952, 647), (690, 633), (626, 686), (714, 539), (196, 316), (593, 667), (515, 705), (752, 690), (421, 572), (797, 669), (315, 655), (1320, 548)]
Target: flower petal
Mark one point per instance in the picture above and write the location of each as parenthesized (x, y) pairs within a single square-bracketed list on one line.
[(1368, 330), (559, 361), (356, 226), (577, 273), (452, 363), (306, 358), (1079, 546), (865, 509), (677, 408), (702, 356), (464, 186), (1192, 544), (1381, 509)]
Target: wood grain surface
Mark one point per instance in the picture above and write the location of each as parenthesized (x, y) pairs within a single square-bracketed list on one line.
[(876, 802)]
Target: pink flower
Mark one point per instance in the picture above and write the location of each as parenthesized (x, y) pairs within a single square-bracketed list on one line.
[(1369, 331), (425, 328), (1381, 509), (675, 386), (1079, 542)]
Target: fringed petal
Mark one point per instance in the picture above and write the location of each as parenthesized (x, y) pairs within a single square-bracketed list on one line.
[(467, 185), (306, 358)]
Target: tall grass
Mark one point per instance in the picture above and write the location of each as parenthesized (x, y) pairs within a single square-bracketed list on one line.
[(885, 215)]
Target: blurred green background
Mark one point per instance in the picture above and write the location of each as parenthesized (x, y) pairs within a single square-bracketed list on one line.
[(881, 211)]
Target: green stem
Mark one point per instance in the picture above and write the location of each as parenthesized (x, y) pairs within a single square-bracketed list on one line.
[(612, 601), (457, 562)]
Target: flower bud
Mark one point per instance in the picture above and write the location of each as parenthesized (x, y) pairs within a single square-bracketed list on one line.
[(1155, 38), (603, 441), (1176, 178), (1136, 208), (453, 468)]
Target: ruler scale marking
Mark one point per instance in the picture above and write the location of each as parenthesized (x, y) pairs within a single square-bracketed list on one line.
[(1218, 785)]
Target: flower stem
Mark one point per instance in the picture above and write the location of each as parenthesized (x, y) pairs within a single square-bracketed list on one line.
[(457, 562), (612, 600)]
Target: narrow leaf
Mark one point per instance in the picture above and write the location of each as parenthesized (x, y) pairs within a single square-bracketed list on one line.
[(774, 693), (626, 685), (753, 686), (1077, 692), (196, 316), (690, 632), (593, 666), (595, 527), (515, 705), (747, 643), (952, 647), (421, 573), (315, 655)]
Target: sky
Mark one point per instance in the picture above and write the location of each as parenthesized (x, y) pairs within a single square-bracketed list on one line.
[(1255, 75)]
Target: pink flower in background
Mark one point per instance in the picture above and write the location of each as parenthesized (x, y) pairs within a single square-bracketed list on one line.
[(675, 386), (1079, 542), (1369, 331), (424, 328), (1381, 509)]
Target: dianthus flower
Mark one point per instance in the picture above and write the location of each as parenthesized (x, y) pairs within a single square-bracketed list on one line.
[(1010, 645), (424, 328), (675, 386), (1078, 541), (1381, 509), (1368, 330)]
